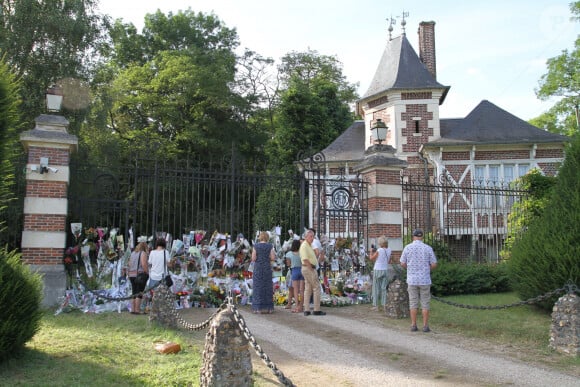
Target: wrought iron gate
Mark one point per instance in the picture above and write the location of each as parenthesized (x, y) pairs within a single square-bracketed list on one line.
[(469, 219), (178, 197), (338, 201)]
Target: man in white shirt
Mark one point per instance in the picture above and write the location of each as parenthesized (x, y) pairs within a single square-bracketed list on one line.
[(419, 260)]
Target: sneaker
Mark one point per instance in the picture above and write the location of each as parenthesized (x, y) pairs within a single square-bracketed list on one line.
[(426, 328), (307, 313), (319, 313), (414, 328)]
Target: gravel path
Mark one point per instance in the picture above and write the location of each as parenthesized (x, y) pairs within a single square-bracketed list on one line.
[(341, 350)]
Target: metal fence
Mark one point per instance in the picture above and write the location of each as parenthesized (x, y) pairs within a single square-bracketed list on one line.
[(470, 219), (182, 196)]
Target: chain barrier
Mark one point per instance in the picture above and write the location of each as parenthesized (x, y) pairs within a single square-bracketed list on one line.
[(229, 303), (257, 348), (569, 288), (169, 297)]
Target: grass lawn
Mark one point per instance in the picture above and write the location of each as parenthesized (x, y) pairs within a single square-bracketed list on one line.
[(525, 329), (77, 349)]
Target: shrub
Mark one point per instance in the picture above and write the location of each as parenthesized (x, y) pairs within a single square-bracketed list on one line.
[(547, 255), (452, 278), (20, 298)]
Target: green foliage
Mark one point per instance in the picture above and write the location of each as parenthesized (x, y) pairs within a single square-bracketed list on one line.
[(440, 248), (47, 41), (167, 91), (563, 80), (313, 109), (547, 255), (452, 278), (10, 150), (538, 187), (20, 297), (274, 201)]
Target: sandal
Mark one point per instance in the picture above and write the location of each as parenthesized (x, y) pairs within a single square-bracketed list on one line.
[(288, 306), (297, 310)]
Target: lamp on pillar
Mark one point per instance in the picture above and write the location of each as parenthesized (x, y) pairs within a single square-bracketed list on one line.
[(379, 131), (54, 99)]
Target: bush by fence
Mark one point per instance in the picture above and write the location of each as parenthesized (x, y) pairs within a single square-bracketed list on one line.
[(20, 297), (451, 278)]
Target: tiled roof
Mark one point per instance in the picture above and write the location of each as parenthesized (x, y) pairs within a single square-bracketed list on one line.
[(349, 145), (489, 124), (401, 68)]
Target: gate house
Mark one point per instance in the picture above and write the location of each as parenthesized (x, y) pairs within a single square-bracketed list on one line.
[(451, 177)]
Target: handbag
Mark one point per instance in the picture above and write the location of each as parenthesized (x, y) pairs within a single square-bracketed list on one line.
[(142, 278), (167, 279)]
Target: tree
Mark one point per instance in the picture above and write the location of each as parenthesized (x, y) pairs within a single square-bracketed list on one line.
[(563, 80), (547, 255), (529, 208), (313, 109), (47, 41), (9, 148), (169, 90)]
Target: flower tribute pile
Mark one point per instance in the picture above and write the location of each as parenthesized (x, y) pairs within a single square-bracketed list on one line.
[(205, 269)]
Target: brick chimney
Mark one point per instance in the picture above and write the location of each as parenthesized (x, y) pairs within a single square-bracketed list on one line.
[(427, 46)]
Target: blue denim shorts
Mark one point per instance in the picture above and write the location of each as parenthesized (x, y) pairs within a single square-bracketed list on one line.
[(297, 274)]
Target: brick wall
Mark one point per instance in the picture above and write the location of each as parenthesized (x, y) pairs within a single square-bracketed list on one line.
[(44, 256), (549, 153), (383, 177), (390, 230), (56, 156), (43, 222), (416, 132), (417, 95), (379, 101), (450, 156), (46, 189), (384, 204), (502, 155)]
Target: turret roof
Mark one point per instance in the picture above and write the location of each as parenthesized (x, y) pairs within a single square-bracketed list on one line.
[(401, 68)]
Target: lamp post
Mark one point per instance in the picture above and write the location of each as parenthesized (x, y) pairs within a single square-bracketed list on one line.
[(379, 131), (54, 99)]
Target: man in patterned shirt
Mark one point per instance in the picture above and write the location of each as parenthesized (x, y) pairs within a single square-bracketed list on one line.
[(419, 259)]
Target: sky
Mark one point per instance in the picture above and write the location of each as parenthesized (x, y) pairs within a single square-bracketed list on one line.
[(493, 50)]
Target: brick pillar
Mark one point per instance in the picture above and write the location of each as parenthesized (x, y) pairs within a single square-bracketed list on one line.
[(382, 170), (45, 203)]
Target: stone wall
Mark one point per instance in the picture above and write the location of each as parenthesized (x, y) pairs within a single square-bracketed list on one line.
[(565, 328)]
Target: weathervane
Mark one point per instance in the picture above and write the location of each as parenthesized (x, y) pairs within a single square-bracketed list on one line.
[(391, 23), (403, 22)]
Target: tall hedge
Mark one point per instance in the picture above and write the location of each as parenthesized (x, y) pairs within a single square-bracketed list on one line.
[(547, 255), (20, 298)]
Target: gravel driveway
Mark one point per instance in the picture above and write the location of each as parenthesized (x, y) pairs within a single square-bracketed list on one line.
[(347, 348)]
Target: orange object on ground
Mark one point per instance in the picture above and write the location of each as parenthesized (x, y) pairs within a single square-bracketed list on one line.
[(167, 347)]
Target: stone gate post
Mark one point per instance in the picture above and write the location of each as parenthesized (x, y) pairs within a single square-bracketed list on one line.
[(565, 327), (46, 205)]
